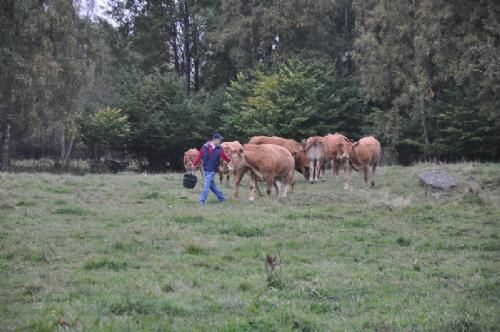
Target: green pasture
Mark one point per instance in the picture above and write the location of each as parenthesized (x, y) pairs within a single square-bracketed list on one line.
[(131, 252)]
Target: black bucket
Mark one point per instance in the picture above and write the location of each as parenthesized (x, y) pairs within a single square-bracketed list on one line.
[(189, 181)]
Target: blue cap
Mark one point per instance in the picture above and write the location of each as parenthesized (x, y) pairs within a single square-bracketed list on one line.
[(217, 136)]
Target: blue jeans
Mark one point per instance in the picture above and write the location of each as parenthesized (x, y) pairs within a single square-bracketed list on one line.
[(210, 185)]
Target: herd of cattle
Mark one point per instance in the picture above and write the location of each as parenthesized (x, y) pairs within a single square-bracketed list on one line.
[(274, 160)]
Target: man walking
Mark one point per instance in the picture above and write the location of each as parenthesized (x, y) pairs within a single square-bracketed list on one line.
[(211, 153)]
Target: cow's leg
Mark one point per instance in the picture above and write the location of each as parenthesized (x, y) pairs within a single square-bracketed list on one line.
[(288, 180), (348, 177), (237, 179), (284, 189), (281, 186), (277, 187), (322, 172), (269, 189), (315, 171), (319, 165), (336, 167), (346, 165), (366, 174), (221, 177), (253, 182), (258, 188), (314, 175), (311, 173), (374, 167)]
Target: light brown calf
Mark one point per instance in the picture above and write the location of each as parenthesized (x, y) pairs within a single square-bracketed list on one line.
[(317, 152), (333, 142), (361, 156), (229, 147), (295, 148), (265, 162), (189, 157)]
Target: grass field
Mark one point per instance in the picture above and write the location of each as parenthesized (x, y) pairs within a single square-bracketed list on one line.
[(136, 253)]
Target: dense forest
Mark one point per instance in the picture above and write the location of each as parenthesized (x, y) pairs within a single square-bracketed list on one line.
[(150, 79)]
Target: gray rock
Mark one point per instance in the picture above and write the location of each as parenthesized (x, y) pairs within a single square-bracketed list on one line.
[(437, 179)]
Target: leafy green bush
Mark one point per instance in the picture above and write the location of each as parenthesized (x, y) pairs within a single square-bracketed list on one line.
[(108, 127)]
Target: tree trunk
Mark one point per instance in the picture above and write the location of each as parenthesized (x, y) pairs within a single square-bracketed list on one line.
[(347, 37), (173, 42), (419, 97), (346, 29), (63, 146), (423, 116), (187, 51), (196, 58), (417, 69), (4, 153), (69, 149), (175, 50), (66, 148)]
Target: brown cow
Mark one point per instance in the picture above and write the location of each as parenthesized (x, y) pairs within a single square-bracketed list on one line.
[(361, 155), (229, 147), (266, 162), (295, 148), (317, 152), (189, 157), (334, 154)]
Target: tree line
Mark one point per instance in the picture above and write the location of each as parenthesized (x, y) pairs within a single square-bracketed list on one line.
[(158, 77)]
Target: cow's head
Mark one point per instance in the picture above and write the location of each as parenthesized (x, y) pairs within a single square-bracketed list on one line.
[(223, 166), (237, 160), (344, 149), (310, 143), (301, 162), (188, 161)]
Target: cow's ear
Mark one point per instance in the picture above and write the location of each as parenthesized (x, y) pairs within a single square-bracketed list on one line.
[(356, 144)]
